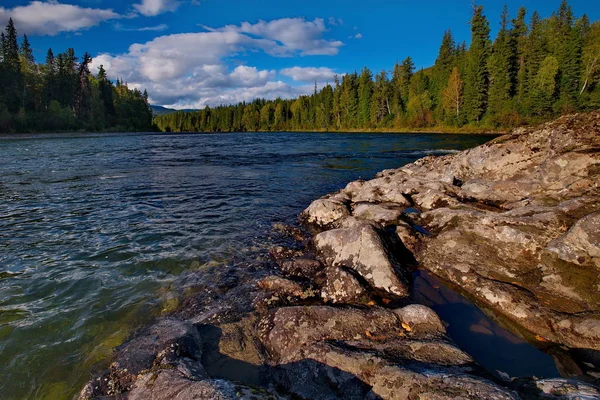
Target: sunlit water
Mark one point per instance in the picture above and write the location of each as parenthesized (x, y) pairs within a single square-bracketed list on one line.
[(94, 229)]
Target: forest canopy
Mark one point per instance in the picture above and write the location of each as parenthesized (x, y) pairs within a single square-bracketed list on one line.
[(534, 70), (61, 94)]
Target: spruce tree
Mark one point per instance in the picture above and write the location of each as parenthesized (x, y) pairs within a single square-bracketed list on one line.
[(26, 52), (519, 33), (476, 74), (502, 67), (568, 53), (365, 90)]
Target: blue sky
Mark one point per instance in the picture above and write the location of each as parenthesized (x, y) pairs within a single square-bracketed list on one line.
[(190, 53)]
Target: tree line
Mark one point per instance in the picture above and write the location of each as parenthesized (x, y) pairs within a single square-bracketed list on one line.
[(62, 94), (534, 70)]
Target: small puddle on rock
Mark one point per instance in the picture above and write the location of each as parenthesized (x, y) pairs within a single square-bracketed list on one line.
[(495, 348)]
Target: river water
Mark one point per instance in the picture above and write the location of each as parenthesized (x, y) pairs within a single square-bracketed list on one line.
[(94, 229)]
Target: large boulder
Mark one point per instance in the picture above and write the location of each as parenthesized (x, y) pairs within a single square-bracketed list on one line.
[(396, 381), (325, 212), (360, 247)]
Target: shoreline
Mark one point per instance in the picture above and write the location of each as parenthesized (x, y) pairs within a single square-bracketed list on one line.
[(338, 305)]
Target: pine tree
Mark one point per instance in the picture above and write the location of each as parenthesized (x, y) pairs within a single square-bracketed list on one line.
[(444, 63), (365, 90), (477, 76), (401, 85), (26, 52), (519, 33), (337, 106), (502, 67), (12, 75), (349, 100), (568, 53), (380, 102), (83, 93)]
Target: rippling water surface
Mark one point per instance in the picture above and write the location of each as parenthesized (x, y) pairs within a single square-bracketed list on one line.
[(94, 229)]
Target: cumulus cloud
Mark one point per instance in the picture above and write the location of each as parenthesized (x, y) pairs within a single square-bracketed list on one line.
[(191, 70), (291, 34), (52, 17), (150, 8), (309, 74)]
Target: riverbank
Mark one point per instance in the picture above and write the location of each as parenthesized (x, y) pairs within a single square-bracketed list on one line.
[(512, 223)]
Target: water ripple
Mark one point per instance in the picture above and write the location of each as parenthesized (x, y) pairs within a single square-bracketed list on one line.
[(92, 229)]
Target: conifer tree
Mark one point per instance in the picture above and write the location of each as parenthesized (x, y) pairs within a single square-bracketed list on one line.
[(519, 32), (476, 74), (502, 67), (365, 90), (568, 54)]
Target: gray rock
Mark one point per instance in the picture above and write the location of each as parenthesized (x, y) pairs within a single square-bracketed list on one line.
[(361, 248), (168, 384), (421, 319), (581, 244), (407, 380), (342, 287), (325, 212), (380, 213), (564, 389)]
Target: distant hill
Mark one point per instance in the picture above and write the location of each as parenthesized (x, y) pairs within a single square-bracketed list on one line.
[(160, 110)]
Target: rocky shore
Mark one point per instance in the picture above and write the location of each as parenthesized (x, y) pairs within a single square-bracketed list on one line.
[(513, 224)]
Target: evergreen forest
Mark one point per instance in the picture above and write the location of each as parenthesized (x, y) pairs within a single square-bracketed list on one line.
[(61, 94), (534, 70)]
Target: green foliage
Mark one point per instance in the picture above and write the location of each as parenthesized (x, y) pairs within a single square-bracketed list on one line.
[(477, 74), (529, 73), (61, 94)]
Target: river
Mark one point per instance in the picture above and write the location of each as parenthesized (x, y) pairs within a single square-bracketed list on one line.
[(95, 228)]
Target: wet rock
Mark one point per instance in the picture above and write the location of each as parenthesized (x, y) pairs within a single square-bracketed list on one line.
[(289, 230), (281, 254), (301, 267), (168, 384), (563, 389), (281, 286), (361, 248), (169, 343), (407, 380), (342, 287), (281, 291), (324, 212)]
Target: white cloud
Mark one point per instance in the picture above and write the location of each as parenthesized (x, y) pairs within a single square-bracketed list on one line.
[(150, 8), (52, 17), (191, 70), (292, 35), (309, 74), (154, 28), (358, 36), (336, 22)]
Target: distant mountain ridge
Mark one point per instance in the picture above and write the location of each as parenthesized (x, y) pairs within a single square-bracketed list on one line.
[(160, 110)]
